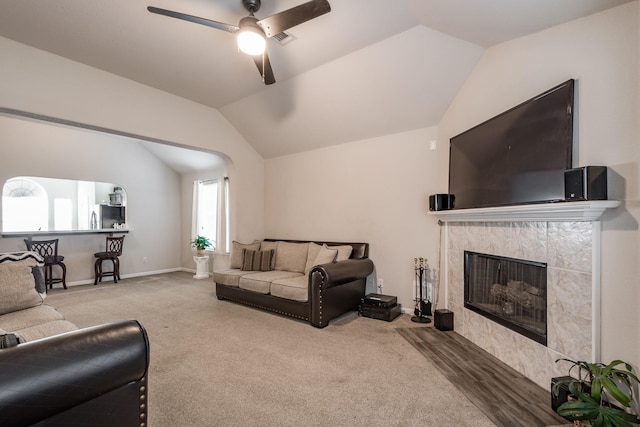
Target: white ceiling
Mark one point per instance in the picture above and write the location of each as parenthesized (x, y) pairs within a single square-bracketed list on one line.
[(184, 160), (367, 68)]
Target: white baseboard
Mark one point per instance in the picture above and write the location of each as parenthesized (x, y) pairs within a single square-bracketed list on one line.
[(127, 276)]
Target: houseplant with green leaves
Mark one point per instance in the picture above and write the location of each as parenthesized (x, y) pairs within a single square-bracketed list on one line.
[(601, 395), (200, 243)]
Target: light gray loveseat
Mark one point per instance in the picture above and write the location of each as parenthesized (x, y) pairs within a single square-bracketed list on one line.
[(311, 281)]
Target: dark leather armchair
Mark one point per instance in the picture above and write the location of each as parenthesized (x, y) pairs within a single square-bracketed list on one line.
[(94, 376)]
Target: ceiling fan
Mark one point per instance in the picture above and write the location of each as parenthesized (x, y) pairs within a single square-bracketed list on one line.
[(252, 32)]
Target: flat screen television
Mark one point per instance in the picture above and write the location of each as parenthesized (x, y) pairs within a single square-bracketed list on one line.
[(517, 157)]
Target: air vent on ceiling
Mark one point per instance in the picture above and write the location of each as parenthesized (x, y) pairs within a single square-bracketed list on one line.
[(283, 38)]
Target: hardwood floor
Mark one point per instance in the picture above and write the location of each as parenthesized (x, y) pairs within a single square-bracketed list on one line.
[(503, 394)]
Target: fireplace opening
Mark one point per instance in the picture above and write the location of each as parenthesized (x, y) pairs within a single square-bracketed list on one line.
[(509, 291)]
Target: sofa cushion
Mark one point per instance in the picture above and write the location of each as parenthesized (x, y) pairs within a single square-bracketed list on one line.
[(29, 317), (266, 245), (229, 277), (344, 252), (257, 260), (17, 286), (261, 282), (235, 259), (44, 330), (291, 256), (294, 288)]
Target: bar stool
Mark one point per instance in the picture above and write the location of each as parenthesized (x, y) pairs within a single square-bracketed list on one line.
[(113, 251), (48, 249)]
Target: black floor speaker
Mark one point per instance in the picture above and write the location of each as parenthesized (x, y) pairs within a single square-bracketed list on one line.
[(443, 320), (586, 183)]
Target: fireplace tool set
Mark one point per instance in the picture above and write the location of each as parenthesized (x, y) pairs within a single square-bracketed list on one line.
[(422, 297)]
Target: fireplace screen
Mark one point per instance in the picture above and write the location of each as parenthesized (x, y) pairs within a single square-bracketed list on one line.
[(509, 291)]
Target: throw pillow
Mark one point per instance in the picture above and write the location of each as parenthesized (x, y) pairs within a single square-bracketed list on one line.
[(235, 259), (17, 286), (344, 252), (256, 260), (37, 270), (314, 248), (325, 255), (265, 246)]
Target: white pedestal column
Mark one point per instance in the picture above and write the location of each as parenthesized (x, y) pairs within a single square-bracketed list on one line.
[(201, 267)]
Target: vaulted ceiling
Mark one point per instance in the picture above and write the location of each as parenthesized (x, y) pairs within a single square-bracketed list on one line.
[(367, 68)]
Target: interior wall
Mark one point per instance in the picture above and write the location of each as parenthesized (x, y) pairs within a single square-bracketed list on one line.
[(374, 191), (153, 191), (601, 52), (38, 82)]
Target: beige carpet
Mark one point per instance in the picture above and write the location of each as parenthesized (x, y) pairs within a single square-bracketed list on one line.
[(216, 363)]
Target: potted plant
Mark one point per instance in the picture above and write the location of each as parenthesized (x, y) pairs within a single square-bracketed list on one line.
[(601, 395), (200, 243)]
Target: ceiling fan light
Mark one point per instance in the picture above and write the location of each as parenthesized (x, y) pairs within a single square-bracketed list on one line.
[(251, 42)]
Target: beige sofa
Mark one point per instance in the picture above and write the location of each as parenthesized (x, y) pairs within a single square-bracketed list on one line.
[(22, 295), (311, 281)]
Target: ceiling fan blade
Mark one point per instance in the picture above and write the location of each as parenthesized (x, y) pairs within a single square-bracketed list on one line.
[(196, 19), (284, 20), (265, 68)]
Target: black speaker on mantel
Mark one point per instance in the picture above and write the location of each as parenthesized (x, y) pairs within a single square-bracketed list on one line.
[(441, 202), (586, 183)]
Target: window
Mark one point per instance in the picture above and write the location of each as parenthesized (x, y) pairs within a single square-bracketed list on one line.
[(62, 214), (210, 212), (25, 206), (206, 218)]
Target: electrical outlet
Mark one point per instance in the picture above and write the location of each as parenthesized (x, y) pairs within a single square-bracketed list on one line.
[(145, 259), (380, 284)]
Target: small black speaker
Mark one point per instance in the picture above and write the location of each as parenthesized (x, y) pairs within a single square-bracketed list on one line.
[(586, 183), (443, 320), (441, 202)]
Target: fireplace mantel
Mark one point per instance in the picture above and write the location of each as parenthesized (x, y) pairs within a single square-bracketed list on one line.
[(562, 211)]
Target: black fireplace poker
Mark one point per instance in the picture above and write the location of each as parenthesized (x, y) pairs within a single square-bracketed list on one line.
[(423, 305)]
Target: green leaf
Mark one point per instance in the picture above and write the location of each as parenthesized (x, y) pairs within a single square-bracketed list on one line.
[(615, 392), (596, 388)]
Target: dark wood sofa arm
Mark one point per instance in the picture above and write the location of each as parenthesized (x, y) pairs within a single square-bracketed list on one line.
[(102, 368)]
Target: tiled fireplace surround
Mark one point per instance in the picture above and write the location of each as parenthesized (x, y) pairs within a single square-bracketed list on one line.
[(567, 238)]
